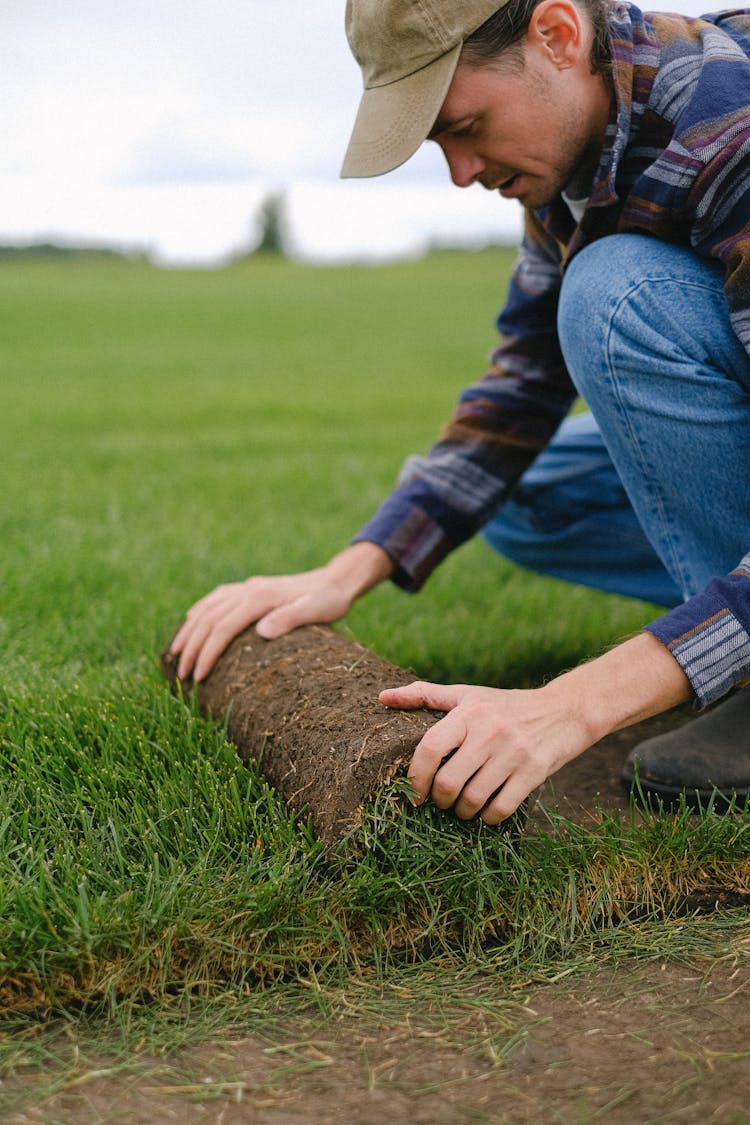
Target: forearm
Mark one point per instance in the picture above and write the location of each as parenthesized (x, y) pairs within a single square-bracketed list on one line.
[(633, 681)]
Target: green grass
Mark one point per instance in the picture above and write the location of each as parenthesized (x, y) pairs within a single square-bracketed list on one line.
[(163, 432)]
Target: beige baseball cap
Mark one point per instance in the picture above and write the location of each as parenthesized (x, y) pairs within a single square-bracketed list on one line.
[(408, 51)]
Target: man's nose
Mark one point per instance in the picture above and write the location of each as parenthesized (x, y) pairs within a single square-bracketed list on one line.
[(464, 165)]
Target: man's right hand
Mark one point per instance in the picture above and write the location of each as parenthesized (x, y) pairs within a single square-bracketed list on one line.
[(277, 604)]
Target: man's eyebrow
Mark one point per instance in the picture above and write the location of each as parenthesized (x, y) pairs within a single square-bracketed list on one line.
[(440, 126)]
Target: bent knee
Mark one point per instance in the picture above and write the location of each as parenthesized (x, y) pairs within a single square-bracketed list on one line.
[(620, 294), (595, 282)]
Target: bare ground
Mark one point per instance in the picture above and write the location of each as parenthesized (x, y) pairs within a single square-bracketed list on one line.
[(641, 1042)]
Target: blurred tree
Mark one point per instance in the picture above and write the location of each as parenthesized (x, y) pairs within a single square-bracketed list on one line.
[(271, 225)]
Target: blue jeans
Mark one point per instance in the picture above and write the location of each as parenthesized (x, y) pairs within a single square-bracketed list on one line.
[(648, 495)]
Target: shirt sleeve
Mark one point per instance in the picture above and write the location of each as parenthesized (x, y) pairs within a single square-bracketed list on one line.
[(719, 205), (500, 424), (709, 636)]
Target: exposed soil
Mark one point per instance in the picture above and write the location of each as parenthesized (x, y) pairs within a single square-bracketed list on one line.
[(638, 1043), (592, 783)]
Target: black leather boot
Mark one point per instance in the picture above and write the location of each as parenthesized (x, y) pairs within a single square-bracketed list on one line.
[(709, 757)]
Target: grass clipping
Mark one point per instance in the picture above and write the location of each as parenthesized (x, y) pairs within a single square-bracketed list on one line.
[(306, 707)]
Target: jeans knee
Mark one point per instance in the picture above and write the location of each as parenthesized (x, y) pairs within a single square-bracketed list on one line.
[(634, 296), (592, 285)]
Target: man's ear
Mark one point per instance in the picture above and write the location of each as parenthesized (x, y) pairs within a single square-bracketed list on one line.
[(556, 28)]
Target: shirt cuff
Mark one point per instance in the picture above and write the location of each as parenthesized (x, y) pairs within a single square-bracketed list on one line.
[(709, 636), (415, 541)]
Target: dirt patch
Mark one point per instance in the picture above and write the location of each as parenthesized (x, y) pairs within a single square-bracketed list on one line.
[(591, 783), (633, 1043)]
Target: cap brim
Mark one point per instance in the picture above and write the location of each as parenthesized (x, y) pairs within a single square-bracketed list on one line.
[(393, 120)]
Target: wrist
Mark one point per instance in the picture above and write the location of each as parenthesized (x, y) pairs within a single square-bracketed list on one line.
[(359, 567), (633, 681)]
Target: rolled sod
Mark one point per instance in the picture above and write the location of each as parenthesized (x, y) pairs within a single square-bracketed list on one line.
[(305, 707)]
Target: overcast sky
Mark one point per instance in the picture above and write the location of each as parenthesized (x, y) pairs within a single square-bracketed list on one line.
[(162, 124)]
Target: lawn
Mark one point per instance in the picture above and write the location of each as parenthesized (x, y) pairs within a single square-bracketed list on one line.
[(165, 431)]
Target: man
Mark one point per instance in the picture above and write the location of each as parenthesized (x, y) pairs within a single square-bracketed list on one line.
[(627, 140)]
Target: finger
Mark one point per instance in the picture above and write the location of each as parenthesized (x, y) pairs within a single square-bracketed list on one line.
[(177, 643), (481, 790), (284, 618), (209, 654), (192, 641), (204, 609), (184, 634), (508, 799), (438, 697), (217, 639), (214, 621), (209, 637), (452, 778), (439, 744)]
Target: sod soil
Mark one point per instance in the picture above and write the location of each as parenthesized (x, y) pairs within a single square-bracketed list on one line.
[(639, 1041), (306, 705)]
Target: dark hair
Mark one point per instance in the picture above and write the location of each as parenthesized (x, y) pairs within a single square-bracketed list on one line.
[(502, 34)]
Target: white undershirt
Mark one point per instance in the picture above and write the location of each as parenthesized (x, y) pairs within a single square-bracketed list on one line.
[(575, 206)]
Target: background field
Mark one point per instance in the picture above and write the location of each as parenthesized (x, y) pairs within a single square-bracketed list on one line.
[(166, 431)]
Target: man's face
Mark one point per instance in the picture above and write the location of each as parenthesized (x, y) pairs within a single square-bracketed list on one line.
[(525, 132)]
